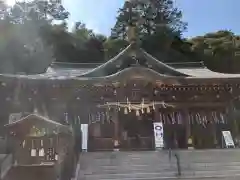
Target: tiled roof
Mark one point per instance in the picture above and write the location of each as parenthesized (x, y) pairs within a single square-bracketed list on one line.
[(75, 73), (206, 73), (110, 69)]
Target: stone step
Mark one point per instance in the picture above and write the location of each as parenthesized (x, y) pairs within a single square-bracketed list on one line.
[(166, 175), (125, 171), (175, 178), (173, 169), (157, 165)]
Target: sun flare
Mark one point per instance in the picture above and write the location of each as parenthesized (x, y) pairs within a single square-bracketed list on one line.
[(9, 2)]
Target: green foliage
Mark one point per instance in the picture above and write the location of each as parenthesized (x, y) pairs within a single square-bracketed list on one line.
[(23, 31), (219, 50), (29, 41), (151, 17)]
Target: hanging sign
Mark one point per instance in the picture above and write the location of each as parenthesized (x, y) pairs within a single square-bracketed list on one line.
[(228, 139), (84, 128), (158, 134)]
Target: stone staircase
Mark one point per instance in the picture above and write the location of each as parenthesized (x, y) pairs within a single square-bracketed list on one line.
[(126, 165), (211, 163), (207, 164)]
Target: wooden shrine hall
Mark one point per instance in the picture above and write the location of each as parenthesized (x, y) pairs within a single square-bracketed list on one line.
[(37, 140), (122, 98)]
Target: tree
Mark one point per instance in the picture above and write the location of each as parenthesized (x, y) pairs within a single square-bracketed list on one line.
[(26, 25), (151, 16), (158, 22), (81, 45), (113, 47), (220, 50)]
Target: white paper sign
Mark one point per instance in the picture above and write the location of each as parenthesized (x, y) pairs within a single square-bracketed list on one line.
[(158, 134), (228, 138), (84, 128)]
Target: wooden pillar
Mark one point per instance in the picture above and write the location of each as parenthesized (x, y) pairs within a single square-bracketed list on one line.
[(156, 115), (213, 129), (188, 130), (233, 121), (116, 130)]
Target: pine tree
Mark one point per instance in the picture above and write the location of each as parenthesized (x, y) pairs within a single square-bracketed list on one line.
[(152, 16)]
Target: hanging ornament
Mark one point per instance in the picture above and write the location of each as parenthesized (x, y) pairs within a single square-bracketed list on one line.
[(56, 156), (142, 104), (119, 109), (148, 109), (153, 106), (137, 113), (41, 151), (33, 150), (125, 111), (129, 107), (108, 106), (23, 143)]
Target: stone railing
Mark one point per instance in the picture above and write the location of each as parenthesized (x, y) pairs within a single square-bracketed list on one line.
[(5, 165)]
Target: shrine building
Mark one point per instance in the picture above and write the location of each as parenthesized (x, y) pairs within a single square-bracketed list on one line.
[(121, 99)]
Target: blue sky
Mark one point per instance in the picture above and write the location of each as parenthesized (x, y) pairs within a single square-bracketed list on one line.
[(202, 16)]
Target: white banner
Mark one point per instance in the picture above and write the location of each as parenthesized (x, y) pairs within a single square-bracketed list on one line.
[(84, 128), (158, 134), (228, 139)]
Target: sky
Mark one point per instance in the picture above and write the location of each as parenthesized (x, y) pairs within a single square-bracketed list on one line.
[(202, 16)]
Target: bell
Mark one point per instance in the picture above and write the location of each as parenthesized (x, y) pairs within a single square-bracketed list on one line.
[(23, 143), (129, 107), (148, 110), (137, 113), (125, 111)]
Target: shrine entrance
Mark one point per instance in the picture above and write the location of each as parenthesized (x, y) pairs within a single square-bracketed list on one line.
[(175, 136), (136, 132)]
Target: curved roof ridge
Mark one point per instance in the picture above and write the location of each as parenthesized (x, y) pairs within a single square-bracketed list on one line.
[(138, 72), (204, 72), (102, 66), (161, 64), (189, 64), (39, 117)]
